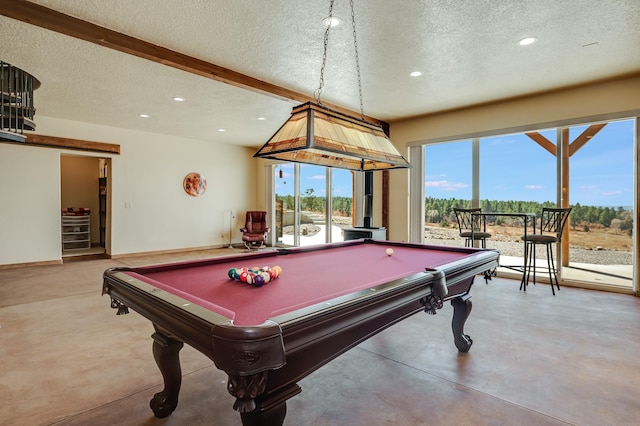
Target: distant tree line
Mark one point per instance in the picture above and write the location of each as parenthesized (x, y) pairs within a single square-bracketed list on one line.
[(316, 204), (440, 210)]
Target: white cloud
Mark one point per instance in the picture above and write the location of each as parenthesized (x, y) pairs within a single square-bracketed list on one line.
[(445, 185), (589, 187), (534, 187)]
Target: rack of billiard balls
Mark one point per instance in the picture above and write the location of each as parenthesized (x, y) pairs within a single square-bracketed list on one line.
[(257, 276)]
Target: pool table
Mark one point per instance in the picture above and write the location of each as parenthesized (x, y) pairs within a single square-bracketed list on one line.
[(328, 299)]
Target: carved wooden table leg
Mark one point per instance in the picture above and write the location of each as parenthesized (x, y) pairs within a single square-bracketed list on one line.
[(461, 310), (166, 352), (272, 417), (246, 389)]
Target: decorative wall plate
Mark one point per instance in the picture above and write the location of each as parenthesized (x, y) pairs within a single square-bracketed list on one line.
[(194, 184)]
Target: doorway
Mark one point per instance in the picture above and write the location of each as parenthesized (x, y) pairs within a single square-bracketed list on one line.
[(84, 206), (312, 204)]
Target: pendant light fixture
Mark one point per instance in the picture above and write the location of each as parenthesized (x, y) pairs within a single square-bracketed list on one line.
[(315, 134)]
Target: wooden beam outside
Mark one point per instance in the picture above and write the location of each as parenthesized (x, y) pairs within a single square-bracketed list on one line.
[(53, 20), (542, 141), (581, 140), (67, 143)]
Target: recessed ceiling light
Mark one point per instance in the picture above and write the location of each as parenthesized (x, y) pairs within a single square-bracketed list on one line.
[(262, 118), (222, 130), (178, 99), (415, 74), (144, 115), (527, 41), (334, 21)]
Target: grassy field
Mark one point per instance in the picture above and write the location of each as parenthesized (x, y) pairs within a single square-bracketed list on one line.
[(596, 236), (600, 237)]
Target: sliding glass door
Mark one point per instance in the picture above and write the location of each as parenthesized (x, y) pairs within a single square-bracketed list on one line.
[(517, 174), (601, 193), (448, 183), (313, 204), (285, 204), (589, 168), (341, 202)]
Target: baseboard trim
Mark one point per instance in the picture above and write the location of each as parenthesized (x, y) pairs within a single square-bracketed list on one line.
[(172, 251), (27, 264)]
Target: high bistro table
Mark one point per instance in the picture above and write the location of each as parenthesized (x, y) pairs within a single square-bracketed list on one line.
[(527, 217)]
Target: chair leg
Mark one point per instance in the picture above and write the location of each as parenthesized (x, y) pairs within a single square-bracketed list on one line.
[(552, 267), (532, 262), (523, 281), (529, 262)]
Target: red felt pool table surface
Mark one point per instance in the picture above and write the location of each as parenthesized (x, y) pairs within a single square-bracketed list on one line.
[(308, 278), (328, 299)]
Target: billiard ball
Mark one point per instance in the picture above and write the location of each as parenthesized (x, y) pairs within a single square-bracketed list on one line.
[(232, 273), (258, 280), (389, 252)]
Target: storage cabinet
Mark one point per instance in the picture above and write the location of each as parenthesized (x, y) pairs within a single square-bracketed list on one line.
[(76, 229)]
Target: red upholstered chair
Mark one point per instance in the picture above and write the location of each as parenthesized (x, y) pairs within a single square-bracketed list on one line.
[(255, 229)]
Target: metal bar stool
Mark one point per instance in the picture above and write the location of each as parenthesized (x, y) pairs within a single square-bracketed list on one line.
[(472, 226), (552, 222)]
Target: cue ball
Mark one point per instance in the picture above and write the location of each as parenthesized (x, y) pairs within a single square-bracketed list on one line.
[(389, 252)]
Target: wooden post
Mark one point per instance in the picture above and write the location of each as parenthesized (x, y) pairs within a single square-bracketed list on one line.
[(564, 195)]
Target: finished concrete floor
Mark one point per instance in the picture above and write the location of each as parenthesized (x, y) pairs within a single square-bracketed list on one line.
[(572, 359)]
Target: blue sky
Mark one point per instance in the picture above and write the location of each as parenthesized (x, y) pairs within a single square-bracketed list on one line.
[(512, 167), (314, 177)]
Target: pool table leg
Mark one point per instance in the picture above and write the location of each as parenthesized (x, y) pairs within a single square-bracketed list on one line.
[(166, 352), (461, 310), (274, 416), (246, 389)]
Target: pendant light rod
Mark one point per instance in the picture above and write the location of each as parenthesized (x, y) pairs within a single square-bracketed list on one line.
[(318, 91), (355, 46)]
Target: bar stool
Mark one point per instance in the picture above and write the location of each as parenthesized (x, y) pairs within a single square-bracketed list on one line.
[(472, 226), (552, 222)]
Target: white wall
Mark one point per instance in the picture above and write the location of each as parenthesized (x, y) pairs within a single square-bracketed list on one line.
[(147, 176), (29, 204)]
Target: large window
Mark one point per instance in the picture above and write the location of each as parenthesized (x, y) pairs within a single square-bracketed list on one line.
[(600, 182), (285, 204), (341, 202), (313, 204), (589, 168), (514, 167), (448, 175)]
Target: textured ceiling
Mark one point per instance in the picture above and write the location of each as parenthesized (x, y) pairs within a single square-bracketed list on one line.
[(466, 50)]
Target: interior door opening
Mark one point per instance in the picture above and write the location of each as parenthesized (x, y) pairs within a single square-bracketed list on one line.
[(84, 208)]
